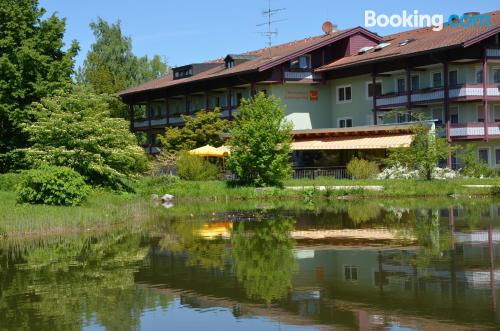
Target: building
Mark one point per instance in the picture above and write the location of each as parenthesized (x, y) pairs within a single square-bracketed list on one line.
[(347, 92)]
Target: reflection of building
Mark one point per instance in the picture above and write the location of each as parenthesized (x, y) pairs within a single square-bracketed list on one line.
[(357, 287)]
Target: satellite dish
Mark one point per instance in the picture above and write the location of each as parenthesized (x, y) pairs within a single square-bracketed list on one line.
[(327, 27)]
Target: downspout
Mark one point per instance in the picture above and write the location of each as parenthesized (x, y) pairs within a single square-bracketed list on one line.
[(485, 94)]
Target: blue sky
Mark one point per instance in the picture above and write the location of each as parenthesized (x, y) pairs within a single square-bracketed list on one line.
[(187, 31)]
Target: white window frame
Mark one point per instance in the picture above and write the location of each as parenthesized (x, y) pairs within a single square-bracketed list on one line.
[(441, 110), (493, 75), (344, 119), (476, 70), (479, 109), (350, 266), (396, 83), (493, 110), (417, 74), (489, 154), (431, 83), (337, 88), (457, 107), (458, 75), (370, 82), (497, 161)]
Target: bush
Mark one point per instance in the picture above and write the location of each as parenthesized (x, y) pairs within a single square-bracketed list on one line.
[(398, 172), (9, 181), (362, 169), (472, 166), (52, 185), (192, 167)]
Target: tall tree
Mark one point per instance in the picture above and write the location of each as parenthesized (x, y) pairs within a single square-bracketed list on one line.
[(33, 64), (111, 66), (260, 142)]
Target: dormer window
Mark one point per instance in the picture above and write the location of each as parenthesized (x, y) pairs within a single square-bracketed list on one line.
[(183, 72), (302, 62), (229, 63)]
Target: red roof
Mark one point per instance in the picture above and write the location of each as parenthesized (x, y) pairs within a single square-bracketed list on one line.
[(424, 40), (279, 54)]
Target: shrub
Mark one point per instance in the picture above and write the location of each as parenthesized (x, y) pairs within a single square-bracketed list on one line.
[(362, 169), (472, 166), (495, 190), (192, 167), (52, 185), (398, 172), (9, 181)]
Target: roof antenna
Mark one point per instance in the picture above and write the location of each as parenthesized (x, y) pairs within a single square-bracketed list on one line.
[(269, 13)]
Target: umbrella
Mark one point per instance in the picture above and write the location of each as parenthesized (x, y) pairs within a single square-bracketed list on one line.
[(208, 150)]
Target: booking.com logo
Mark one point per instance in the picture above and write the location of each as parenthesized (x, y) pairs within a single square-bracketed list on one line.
[(416, 20)]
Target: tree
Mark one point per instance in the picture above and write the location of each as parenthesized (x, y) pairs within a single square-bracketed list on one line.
[(425, 152), (111, 66), (75, 130), (205, 128), (33, 64), (260, 142), (472, 166)]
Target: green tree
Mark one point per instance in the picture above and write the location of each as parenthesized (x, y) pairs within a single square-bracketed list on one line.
[(425, 152), (111, 66), (32, 65), (471, 165), (260, 142), (205, 128), (76, 130)]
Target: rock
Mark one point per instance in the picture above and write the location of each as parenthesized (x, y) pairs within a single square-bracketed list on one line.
[(167, 197)]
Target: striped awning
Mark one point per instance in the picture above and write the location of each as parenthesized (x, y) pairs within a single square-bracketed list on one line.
[(364, 142)]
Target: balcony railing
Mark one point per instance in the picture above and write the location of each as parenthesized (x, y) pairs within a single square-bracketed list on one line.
[(493, 51), (463, 91), (315, 172), (474, 129), (299, 75)]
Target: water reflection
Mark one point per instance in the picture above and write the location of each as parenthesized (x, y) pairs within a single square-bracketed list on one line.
[(336, 267)]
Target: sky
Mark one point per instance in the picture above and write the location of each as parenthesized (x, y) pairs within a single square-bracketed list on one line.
[(190, 31)]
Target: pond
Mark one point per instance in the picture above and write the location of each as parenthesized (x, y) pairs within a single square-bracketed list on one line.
[(398, 265)]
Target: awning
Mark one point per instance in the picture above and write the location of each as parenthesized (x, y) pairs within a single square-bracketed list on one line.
[(366, 142)]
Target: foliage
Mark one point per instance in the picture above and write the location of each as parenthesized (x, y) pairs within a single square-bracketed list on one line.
[(205, 128), (51, 185), (362, 169), (192, 167), (425, 152), (33, 64), (495, 190), (472, 166), (400, 172), (75, 130), (111, 66), (260, 142), (9, 181), (263, 259)]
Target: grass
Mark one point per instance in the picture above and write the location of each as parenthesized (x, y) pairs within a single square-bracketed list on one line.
[(105, 210)]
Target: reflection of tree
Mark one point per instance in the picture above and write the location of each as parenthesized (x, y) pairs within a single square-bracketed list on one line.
[(184, 237), (430, 236), (263, 259), (72, 283)]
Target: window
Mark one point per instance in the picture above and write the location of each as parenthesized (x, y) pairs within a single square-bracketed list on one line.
[(480, 113), (496, 113), (436, 79), (403, 117), (350, 273), (496, 75), (415, 82), (239, 96), (400, 85), (482, 155), (344, 94), (479, 75), (378, 89), (345, 122), (453, 77), (302, 62), (264, 91), (217, 101), (454, 115), (229, 63), (497, 156), (437, 114)]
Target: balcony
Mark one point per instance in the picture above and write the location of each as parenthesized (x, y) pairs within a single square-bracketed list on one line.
[(456, 93), (493, 51), (473, 130), (301, 75)]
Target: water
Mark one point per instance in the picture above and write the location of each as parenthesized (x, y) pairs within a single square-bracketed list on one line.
[(376, 265)]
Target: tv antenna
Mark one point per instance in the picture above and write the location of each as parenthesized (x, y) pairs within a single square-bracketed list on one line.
[(269, 33)]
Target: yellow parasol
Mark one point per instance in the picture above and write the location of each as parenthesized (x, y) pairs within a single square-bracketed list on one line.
[(208, 151)]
